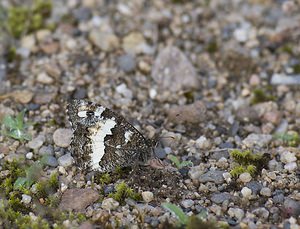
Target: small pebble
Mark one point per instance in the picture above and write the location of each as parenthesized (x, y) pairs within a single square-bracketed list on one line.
[(127, 63), (236, 213), (245, 177), (62, 137), (50, 160), (261, 213), (187, 203), (287, 157), (203, 143), (26, 199), (110, 204), (292, 166), (29, 155), (265, 191), (37, 142), (65, 160), (246, 192), (147, 196)]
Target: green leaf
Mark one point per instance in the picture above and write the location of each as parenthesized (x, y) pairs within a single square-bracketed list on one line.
[(16, 134), (34, 172), (20, 120), (9, 122), (174, 160), (20, 182), (177, 211)]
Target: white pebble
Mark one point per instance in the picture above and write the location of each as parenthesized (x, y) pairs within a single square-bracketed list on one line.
[(246, 192), (152, 93), (245, 177), (26, 199), (291, 166), (147, 196), (265, 191), (110, 204), (203, 143), (236, 212), (287, 157), (227, 176), (63, 187), (29, 155)]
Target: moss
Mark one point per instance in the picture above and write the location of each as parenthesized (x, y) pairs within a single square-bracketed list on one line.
[(22, 20), (212, 47), (11, 218), (16, 171), (16, 22), (246, 161), (123, 192), (287, 48), (260, 95), (296, 68), (189, 95), (105, 179), (195, 222), (47, 187)]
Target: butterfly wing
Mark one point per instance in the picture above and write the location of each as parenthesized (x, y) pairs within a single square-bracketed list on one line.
[(103, 139)]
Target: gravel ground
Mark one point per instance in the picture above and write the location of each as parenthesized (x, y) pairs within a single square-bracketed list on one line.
[(217, 81)]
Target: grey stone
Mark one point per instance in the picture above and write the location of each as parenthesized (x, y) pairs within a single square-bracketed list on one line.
[(279, 79), (80, 93), (254, 186), (46, 150), (278, 199), (65, 160), (219, 198), (261, 213), (259, 140), (110, 204), (265, 191), (219, 154), (212, 176), (291, 207), (192, 113), (173, 71), (160, 152), (50, 160), (36, 142), (82, 13), (187, 203), (105, 40), (127, 63), (78, 199), (62, 137)]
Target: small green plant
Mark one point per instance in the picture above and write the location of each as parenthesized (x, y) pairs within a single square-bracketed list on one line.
[(291, 138), (246, 161), (261, 95), (22, 20), (32, 174), (189, 222), (48, 187), (105, 179), (123, 192), (179, 164), (15, 127), (177, 211)]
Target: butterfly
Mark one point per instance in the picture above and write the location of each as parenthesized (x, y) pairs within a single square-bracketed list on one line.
[(103, 140)]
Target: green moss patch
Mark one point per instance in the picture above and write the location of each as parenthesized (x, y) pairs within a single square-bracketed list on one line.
[(246, 161), (123, 192)]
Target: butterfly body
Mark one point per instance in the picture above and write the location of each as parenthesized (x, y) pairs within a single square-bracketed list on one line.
[(103, 139)]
